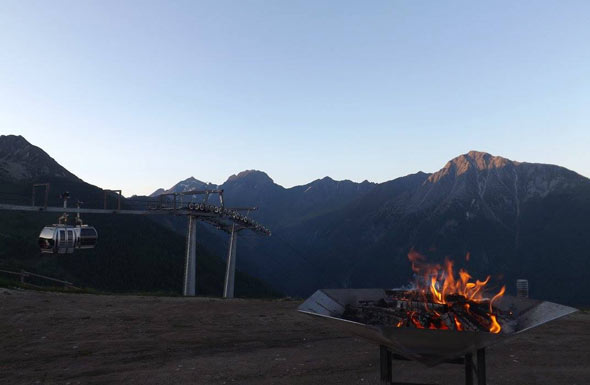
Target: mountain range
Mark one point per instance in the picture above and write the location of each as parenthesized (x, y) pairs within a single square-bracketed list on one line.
[(514, 219)]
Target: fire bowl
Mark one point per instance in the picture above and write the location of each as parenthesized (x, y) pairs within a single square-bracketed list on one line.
[(429, 347)]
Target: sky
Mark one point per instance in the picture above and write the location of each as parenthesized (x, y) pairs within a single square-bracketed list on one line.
[(137, 95)]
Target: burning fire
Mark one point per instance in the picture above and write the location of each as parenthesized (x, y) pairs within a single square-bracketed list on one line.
[(438, 284)]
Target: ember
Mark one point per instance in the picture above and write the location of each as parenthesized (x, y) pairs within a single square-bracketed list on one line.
[(439, 301)]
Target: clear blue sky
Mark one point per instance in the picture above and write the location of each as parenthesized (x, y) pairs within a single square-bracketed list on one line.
[(140, 94)]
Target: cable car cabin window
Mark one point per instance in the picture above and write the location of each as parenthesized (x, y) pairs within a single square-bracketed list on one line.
[(70, 238), (45, 243), (88, 233), (88, 237), (62, 236), (87, 241), (47, 233)]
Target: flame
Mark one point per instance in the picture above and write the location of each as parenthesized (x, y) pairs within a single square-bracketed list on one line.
[(438, 297), (438, 284), (415, 321), (495, 327), (500, 294), (442, 281)]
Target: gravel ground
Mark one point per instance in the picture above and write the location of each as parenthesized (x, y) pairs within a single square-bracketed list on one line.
[(55, 338)]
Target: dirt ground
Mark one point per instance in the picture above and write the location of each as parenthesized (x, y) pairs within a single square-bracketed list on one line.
[(54, 338)]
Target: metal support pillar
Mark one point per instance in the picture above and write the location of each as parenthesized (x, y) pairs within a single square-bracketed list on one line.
[(385, 363), (481, 366), (190, 269), (118, 192), (230, 272), (46, 185), (469, 369)]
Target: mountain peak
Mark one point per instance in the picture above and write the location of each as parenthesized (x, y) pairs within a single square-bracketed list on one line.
[(189, 184), (326, 179), (473, 160), (251, 175), (157, 192), (191, 180), (484, 160), (14, 140), (21, 160)]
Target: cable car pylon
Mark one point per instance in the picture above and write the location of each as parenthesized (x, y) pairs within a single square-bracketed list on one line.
[(83, 236), (230, 271), (190, 264)]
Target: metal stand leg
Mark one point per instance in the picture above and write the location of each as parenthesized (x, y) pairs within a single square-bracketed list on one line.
[(469, 369), (481, 367), (230, 272), (385, 363), (387, 372), (190, 272)]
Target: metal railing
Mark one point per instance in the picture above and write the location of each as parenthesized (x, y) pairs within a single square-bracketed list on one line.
[(25, 274)]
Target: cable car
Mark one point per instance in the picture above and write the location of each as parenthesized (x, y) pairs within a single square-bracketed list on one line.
[(64, 239)]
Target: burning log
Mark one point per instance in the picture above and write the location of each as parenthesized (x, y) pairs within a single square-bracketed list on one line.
[(373, 315), (401, 309)]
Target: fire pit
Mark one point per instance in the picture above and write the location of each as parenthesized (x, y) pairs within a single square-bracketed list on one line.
[(441, 319), (429, 346)]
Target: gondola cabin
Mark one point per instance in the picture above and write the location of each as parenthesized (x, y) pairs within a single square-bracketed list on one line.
[(64, 239)]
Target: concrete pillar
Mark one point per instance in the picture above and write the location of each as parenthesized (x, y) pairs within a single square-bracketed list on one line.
[(190, 267), (230, 272)]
